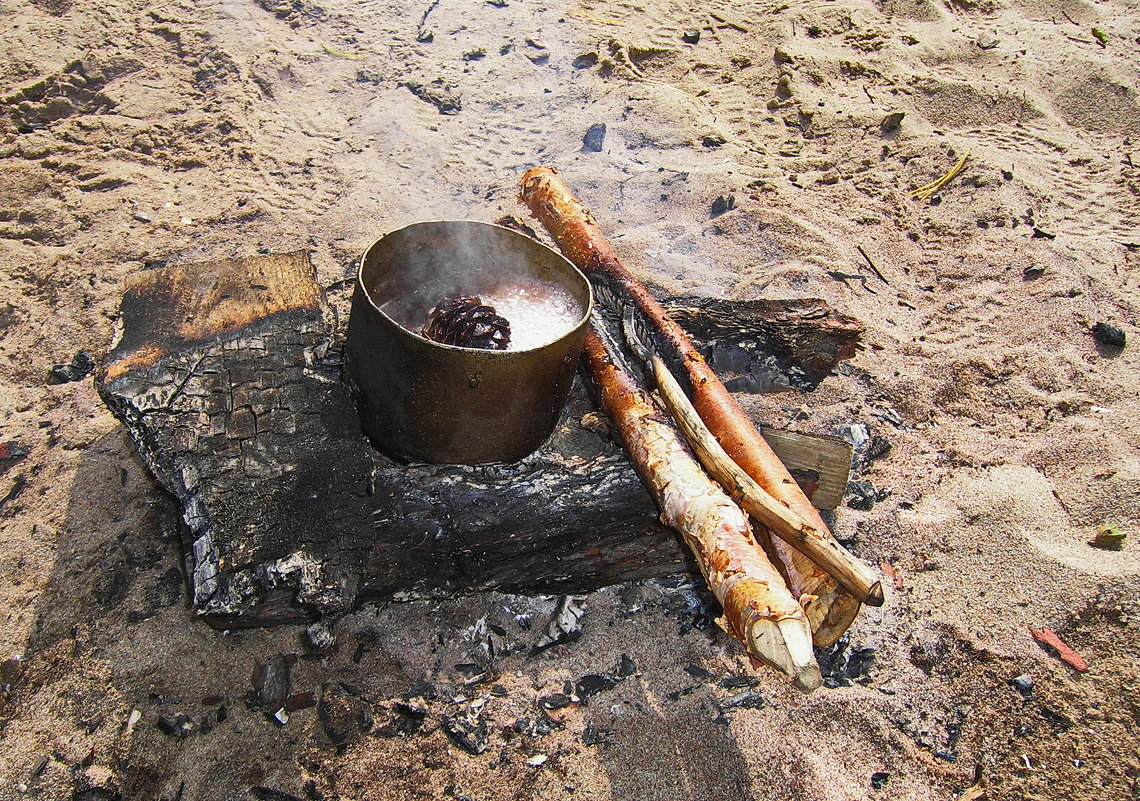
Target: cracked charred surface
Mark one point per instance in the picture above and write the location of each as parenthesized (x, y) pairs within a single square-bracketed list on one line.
[(228, 379)]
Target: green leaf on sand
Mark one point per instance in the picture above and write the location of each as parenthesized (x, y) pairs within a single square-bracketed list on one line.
[(1109, 537), (332, 51)]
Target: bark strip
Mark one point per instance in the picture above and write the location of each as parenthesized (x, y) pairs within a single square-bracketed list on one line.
[(758, 608), (830, 607)]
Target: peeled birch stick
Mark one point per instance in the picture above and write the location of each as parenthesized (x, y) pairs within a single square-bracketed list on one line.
[(853, 574), (758, 608), (830, 608)]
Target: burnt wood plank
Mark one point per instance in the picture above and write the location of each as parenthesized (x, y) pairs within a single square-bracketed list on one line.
[(228, 379)]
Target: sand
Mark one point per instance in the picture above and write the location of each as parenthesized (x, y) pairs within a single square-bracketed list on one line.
[(136, 134)]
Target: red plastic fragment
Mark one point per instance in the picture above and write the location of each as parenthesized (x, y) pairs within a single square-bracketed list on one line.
[(1067, 654)]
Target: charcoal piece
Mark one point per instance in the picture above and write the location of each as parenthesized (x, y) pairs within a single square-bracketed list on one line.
[(842, 664), (691, 37), (595, 735), (722, 205), (879, 780), (469, 732), (269, 794), (737, 682), (179, 727), (594, 138), (80, 366), (1109, 335), (864, 495), (270, 682), (592, 684), (748, 699), (698, 672), (626, 666), (555, 701), (10, 453)]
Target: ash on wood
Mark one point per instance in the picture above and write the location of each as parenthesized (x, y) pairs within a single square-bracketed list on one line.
[(228, 379)]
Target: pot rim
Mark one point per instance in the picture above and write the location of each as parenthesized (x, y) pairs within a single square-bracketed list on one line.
[(485, 352)]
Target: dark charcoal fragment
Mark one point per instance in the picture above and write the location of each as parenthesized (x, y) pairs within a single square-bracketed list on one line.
[(840, 665), (737, 682), (1033, 271), (10, 453), (270, 682), (677, 695), (864, 496), (408, 720), (879, 780), (80, 367), (18, 486), (691, 37), (593, 684), (713, 140), (748, 699), (722, 205), (698, 672), (626, 667), (179, 727), (594, 138), (268, 794), (468, 733), (555, 701), (594, 735), (470, 668), (1023, 684), (422, 689), (879, 447), (1109, 335)]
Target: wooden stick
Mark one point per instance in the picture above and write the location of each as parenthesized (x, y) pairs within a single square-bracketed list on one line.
[(857, 577), (579, 237), (758, 608)]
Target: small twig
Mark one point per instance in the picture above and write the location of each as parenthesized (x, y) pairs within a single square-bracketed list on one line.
[(871, 264), (925, 192), (727, 22), (845, 277), (1065, 14)]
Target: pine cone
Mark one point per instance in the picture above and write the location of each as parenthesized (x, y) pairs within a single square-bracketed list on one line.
[(467, 323)]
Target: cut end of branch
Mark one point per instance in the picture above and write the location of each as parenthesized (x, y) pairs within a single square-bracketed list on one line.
[(875, 595), (787, 646)]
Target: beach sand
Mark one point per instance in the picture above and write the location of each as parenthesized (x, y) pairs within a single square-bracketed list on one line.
[(138, 134)]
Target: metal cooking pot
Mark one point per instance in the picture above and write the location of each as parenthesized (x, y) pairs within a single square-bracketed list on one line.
[(420, 400)]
